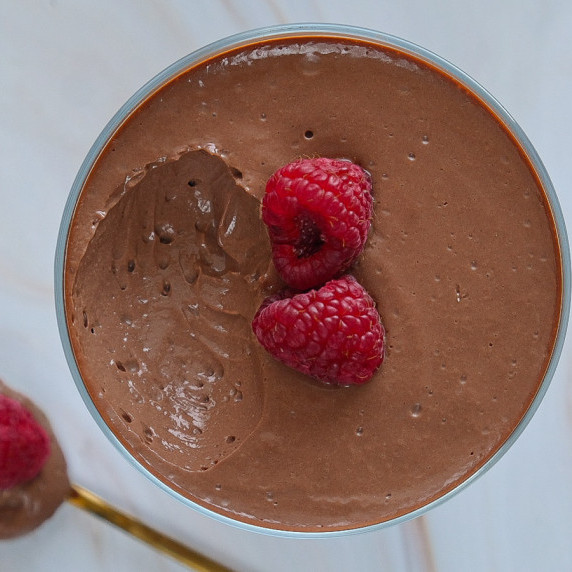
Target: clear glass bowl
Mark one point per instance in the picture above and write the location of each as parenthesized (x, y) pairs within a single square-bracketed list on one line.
[(302, 30)]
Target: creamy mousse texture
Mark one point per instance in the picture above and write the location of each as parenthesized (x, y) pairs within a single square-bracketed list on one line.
[(26, 506), (167, 261)]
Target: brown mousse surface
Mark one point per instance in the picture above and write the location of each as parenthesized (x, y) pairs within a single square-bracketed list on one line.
[(167, 262)]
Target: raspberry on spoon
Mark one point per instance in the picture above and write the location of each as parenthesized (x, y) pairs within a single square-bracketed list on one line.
[(333, 334), (318, 213), (24, 444)]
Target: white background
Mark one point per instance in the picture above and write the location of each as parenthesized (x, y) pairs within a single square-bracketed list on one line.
[(66, 67)]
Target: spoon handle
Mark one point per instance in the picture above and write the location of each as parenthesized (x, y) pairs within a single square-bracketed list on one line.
[(90, 502)]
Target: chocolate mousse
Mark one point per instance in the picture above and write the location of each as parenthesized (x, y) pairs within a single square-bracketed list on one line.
[(27, 505), (167, 261)]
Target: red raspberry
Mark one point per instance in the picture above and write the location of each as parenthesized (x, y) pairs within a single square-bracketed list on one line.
[(333, 334), (24, 444), (318, 212)]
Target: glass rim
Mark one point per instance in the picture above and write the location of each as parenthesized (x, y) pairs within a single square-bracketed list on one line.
[(382, 39)]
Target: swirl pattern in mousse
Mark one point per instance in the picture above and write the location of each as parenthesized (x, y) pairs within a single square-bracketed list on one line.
[(167, 261)]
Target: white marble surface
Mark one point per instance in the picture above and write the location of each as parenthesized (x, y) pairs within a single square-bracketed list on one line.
[(66, 67)]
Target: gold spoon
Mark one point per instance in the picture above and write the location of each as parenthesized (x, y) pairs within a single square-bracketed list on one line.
[(90, 502)]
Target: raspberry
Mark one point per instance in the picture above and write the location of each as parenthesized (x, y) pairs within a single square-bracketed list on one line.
[(24, 444), (318, 212), (333, 334)]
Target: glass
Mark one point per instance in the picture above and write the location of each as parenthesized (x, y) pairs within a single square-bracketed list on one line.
[(304, 30)]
